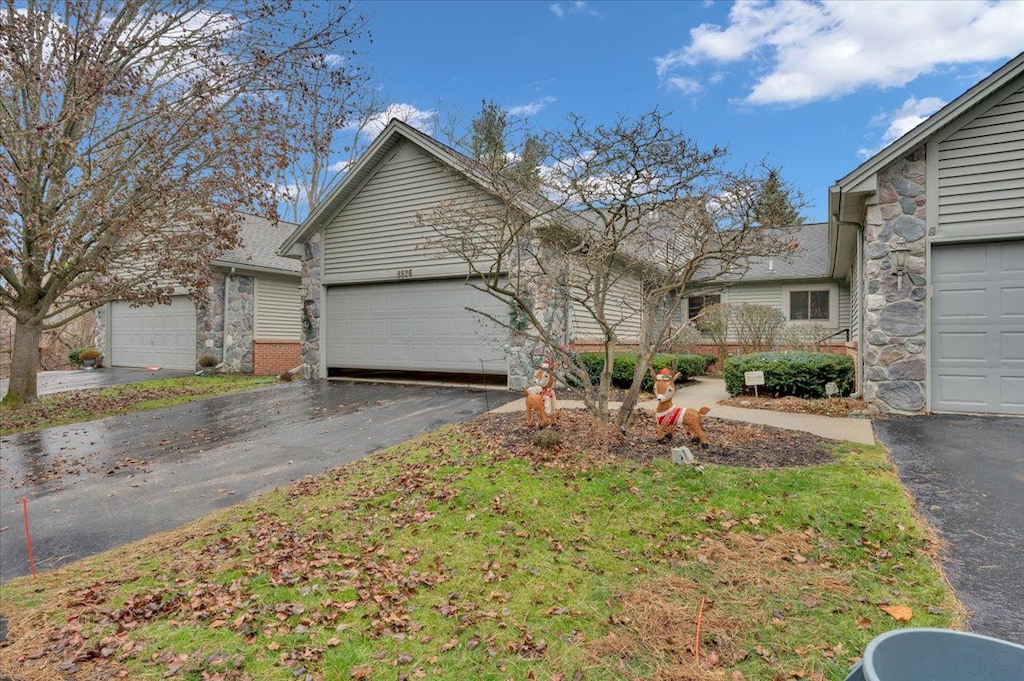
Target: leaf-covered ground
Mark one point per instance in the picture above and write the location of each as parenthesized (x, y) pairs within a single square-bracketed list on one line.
[(467, 554), (730, 443)]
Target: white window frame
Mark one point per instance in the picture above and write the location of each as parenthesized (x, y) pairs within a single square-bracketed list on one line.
[(833, 303)]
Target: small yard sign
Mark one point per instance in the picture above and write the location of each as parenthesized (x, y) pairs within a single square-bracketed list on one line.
[(754, 378)]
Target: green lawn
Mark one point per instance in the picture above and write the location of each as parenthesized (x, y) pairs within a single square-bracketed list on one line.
[(75, 406), (445, 558)]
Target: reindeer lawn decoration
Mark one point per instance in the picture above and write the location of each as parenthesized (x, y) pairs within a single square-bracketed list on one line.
[(540, 397), (669, 416)]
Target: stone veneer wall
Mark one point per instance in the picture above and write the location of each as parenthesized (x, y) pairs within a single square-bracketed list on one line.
[(894, 317), (99, 336), (240, 316), (526, 353), (310, 293)]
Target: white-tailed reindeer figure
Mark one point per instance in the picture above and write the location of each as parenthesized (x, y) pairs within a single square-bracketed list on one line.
[(540, 397), (669, 416)]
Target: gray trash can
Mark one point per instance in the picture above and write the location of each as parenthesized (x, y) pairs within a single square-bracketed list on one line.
[(939, 655)]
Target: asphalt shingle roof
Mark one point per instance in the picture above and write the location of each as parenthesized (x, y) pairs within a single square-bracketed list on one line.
[(259, 240)]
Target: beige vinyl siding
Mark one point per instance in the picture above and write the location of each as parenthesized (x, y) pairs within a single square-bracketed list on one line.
[(981, 168), (278, 308), (774, 294), (769, 294), (622, 308), (845, 305), (853, 304), (755, 294), (375, 235)]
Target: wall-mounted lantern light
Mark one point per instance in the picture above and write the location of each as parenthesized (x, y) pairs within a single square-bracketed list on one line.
[(899, 253)]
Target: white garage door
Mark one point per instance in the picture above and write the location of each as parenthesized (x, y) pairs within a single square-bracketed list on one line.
[(162, 335), (978, 327), (415, 326)]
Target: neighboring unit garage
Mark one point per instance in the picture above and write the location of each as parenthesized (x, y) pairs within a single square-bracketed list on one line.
[(248, 317), (977, 317), (415, 326), (162, 335)]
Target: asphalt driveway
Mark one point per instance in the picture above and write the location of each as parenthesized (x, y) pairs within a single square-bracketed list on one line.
[(94, 486), (80, 379), (967, 475)]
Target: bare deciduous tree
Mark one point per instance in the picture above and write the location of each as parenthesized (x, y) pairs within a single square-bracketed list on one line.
[(131, 131), (615, 223), (715, 322), (758, 326)]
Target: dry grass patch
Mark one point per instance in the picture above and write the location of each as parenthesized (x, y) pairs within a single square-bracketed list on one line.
[(657, 624)]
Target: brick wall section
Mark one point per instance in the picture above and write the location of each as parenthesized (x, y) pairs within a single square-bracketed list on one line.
[(274, 357)]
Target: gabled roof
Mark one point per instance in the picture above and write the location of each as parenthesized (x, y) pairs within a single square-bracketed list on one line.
[(847, 196), (259, 239), (920, 134), (808, 259), (395, 132)]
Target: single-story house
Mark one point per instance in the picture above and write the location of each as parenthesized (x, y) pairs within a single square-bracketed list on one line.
[(377, 296), (930, 234), (798, 284), (250, 319)]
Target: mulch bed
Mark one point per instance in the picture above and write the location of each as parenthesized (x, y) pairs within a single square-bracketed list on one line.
[(731, 443), (833, 406)]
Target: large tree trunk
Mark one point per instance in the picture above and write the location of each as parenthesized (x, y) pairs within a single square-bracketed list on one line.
[(24, 364), (644, 354)]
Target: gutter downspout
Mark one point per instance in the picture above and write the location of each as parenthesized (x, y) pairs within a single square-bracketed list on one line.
[(224, 323)]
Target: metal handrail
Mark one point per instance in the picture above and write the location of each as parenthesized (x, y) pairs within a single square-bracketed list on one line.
[(844, 331)]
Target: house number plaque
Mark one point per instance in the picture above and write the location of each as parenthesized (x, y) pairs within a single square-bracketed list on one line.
[(405, 274)]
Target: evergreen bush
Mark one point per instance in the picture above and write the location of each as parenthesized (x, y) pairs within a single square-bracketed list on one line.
[(802, 374)]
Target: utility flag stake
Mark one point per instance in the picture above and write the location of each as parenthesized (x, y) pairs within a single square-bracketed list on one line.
[(28, 536)]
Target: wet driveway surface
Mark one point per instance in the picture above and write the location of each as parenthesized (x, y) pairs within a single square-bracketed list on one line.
[(82, 379), (967, 475), (94, 486)]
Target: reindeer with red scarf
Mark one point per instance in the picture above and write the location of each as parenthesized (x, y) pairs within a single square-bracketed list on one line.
[(669, 416), (540, 397)]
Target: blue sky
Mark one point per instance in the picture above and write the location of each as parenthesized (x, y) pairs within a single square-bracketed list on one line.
[(812, 87)]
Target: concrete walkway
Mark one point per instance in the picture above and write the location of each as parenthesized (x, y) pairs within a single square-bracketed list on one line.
[(707, 392)]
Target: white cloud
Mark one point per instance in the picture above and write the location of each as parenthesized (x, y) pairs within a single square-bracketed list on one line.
[(816, 50), (901, 121), (560, 9), (291, 192), (341, 166), (687, 86), (407, 113), (530, 109)]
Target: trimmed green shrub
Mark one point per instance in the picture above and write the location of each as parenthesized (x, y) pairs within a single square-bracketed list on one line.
[(625, 365), (802, 374)]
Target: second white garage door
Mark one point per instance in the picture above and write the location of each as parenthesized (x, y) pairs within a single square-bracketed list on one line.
[(415, 326), (162, 335), (978, 327)]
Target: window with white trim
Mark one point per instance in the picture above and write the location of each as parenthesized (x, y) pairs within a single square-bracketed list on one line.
[(811, 304)]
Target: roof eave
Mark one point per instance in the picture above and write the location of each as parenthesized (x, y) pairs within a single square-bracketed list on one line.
[(918, 135), (250, 267)]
